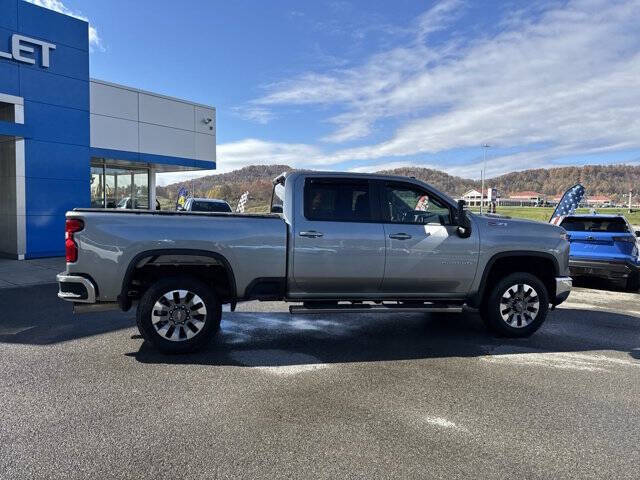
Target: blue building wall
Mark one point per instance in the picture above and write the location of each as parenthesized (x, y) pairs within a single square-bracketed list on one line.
[(57, 122), (56, 117)]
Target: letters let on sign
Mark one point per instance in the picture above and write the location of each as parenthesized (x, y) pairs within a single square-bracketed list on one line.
[(21, 45)]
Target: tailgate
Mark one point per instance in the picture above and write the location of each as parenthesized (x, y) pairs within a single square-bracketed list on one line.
[(602, 245)]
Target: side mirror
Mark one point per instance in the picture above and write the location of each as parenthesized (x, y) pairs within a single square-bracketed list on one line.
[(460, 211), (462, 221)]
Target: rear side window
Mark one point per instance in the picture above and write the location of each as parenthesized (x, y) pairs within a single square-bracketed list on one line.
[(210, 207), (594, 224), (337, 200)]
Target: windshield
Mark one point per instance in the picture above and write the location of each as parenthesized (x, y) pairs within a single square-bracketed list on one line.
[(201, 206), (595, 224)]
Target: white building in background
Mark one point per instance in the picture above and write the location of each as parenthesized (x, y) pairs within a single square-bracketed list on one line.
[(598, 201), (523, 199), (473, 198)]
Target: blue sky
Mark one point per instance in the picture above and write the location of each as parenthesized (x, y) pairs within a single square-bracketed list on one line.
[(366, 85)]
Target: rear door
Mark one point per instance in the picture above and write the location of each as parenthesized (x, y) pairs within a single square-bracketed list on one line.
[(338, 243), (425, 255), (599, 238)]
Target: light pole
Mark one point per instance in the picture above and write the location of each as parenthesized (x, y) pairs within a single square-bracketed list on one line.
[(484, 169)]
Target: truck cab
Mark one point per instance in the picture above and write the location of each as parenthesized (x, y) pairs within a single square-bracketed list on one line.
[(377, 238)]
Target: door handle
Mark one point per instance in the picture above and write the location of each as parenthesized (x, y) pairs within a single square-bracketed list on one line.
[(400, 236), (310, 234)]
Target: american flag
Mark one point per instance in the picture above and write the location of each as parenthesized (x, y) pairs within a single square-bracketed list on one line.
[(568, 204)]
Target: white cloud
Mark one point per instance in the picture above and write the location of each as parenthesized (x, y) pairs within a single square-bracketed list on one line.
[(438, 17), (258, 152), (552, 82), (562, 81), (235, 155), (255, 113), (56, 5)]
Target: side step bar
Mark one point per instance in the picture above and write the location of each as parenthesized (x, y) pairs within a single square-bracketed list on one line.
[(378, 308)]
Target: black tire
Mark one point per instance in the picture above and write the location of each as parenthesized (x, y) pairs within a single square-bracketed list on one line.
[(204, 323), (523, 322), (633, 282)]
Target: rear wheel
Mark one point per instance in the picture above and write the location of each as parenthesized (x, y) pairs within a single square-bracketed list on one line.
[(179, 314), (516, 306)]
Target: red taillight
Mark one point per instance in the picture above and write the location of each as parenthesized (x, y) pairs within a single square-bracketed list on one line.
[(71, 226)]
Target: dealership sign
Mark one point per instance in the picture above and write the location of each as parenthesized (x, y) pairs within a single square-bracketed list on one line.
[(21, 45)]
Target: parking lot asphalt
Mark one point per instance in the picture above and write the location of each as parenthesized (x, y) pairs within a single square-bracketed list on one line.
[(342, 396)]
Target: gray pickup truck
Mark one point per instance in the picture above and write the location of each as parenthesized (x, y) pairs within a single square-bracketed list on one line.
[(336, 242)]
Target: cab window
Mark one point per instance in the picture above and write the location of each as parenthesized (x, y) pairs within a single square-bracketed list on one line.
[(337, 200), (406, 203)]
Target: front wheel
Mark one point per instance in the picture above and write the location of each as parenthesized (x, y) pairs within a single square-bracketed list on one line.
[(179, 314), (516, 306)]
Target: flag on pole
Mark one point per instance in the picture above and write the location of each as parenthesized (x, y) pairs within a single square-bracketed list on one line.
[(242, 202), (182, 197), (568, 204)]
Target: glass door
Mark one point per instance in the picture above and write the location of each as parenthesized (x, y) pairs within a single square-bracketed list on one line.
[(97, 186), (118, 187), (140, 188)]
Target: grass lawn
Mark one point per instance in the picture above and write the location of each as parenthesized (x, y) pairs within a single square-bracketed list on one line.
[(542, 214)]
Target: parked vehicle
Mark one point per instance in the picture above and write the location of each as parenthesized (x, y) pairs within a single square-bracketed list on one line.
[(128, 203), (204, 205), (603, 246), (343, 243)]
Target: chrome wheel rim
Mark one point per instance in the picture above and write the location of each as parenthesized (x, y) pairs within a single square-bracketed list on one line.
[(519, 305), (179, 315)]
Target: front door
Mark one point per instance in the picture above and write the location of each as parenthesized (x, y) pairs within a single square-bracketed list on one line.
[(338, 249), (424, 253)]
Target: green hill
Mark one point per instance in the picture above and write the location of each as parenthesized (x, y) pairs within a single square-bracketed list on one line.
[(612, 180)]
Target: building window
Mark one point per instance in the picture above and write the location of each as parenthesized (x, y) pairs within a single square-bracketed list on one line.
[(116, 186), (7, 112)]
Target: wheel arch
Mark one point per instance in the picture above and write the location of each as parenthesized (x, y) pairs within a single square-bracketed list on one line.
[(125, 301), (519, 261)]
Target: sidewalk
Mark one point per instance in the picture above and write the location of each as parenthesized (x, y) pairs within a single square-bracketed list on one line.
[(19, 273)]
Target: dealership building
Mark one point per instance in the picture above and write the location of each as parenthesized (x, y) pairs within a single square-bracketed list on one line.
[(68, 140)]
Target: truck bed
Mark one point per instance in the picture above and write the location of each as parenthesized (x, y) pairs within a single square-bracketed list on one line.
[(114, 241)]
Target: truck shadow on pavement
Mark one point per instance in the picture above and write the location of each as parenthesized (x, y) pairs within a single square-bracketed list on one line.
[(279, 340), (268, 339), (37, 317)]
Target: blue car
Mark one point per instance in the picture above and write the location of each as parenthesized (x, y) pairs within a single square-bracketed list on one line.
[(603, 246)]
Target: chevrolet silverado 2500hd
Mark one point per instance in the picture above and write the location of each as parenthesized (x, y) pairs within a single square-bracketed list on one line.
[(339, 242)]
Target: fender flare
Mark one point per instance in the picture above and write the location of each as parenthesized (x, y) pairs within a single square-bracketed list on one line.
[(477, 297)]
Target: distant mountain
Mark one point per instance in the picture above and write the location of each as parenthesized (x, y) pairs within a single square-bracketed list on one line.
[(612, 180)]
